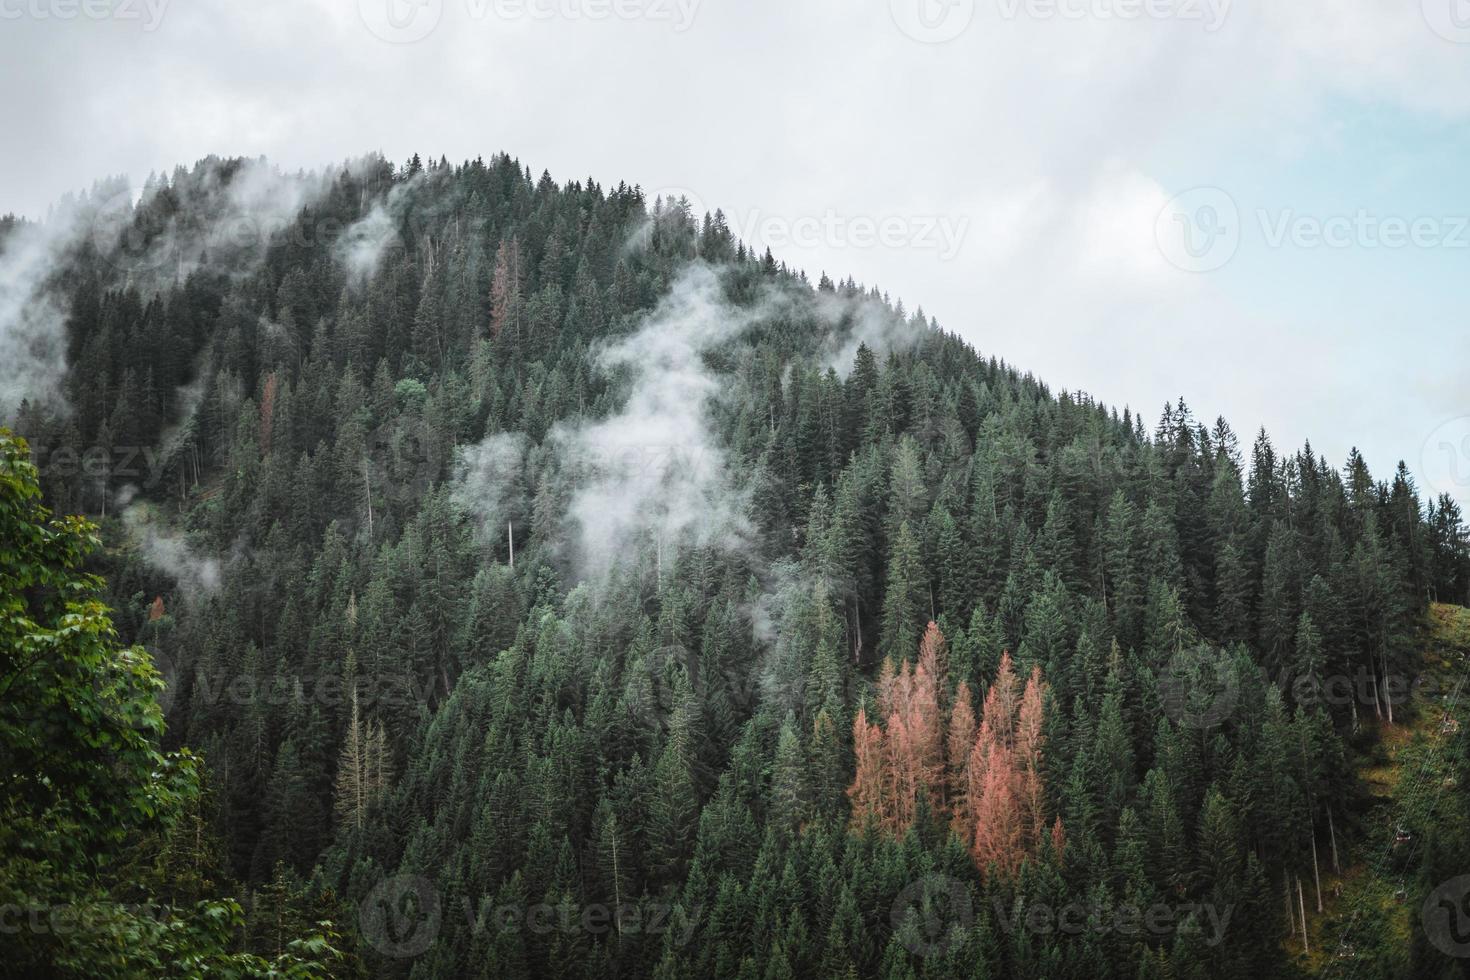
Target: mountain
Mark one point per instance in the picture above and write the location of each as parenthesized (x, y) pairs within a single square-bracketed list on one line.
[(549, 585)]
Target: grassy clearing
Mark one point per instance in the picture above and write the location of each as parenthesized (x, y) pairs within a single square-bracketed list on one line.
[(1366, 923)]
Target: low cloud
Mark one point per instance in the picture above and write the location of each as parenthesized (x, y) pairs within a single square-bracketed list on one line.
[(651, 477), (32, 317), (235, 210), (488, 480), (167, 550), (653, 472)]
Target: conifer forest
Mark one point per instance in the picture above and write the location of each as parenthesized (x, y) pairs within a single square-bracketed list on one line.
[(430, 569)]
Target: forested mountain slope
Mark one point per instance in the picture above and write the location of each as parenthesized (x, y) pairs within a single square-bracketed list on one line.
[(546, 583)]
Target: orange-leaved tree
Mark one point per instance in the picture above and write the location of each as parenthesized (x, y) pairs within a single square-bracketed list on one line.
[(985, 773)]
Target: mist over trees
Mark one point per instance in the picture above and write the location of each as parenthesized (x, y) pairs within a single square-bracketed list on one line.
[(509, 544)]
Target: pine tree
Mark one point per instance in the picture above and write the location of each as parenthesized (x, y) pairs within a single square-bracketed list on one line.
[(507, 286), (364, 767), (906, 599)]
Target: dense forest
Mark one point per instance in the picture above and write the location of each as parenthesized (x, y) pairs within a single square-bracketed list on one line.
[(541, 583)]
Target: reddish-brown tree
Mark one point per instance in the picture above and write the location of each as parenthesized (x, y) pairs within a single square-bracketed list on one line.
[(1000, 834), (958, 744), (866, 791), (1031, 790), (987, 773)]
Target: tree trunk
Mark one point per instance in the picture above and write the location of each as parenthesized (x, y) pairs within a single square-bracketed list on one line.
[(1316, 874), (1388, 695), (1332, 830), (368, 482), (1302, 905), (617, 884)]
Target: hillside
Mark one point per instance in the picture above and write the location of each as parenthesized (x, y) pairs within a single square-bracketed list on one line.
[(551, 586), (1410, 772)]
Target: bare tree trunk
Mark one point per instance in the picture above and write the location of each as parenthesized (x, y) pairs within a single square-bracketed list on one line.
[(368, 482), (617, 882), (1388, 694), (1316, 873), (1332, 829), (1302, 905)]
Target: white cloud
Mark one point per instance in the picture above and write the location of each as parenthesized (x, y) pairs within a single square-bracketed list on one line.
[(1053, 138)]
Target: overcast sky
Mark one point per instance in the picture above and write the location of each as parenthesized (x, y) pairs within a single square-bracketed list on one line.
[(1259, 204)]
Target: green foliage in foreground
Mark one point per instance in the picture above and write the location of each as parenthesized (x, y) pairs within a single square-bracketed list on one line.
[(85, 793)]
